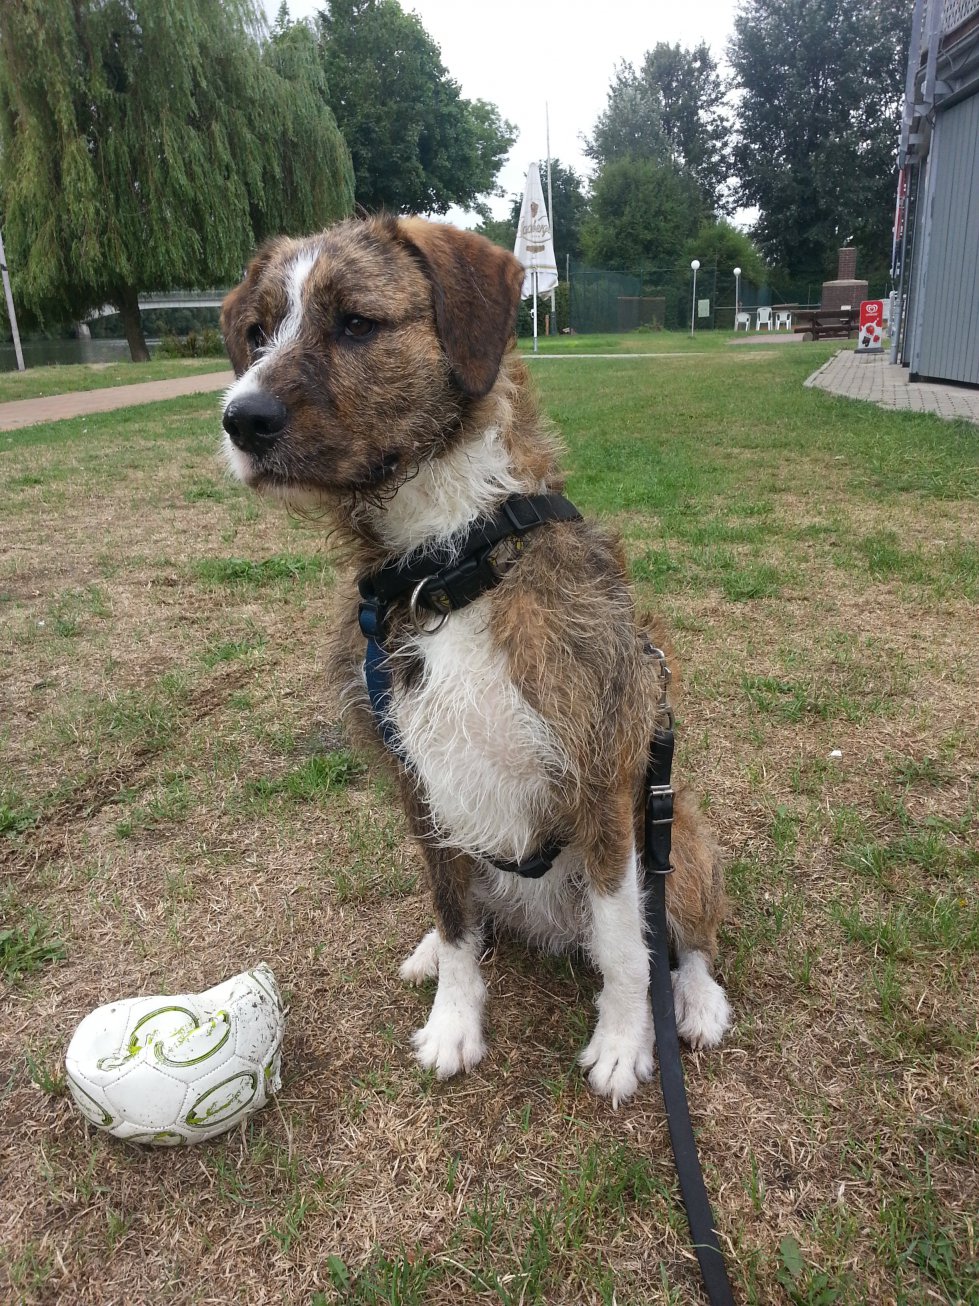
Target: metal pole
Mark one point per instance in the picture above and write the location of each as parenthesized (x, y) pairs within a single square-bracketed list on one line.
[(8, 295), (693, 302), (898, 326), (550, 213), (567, 277), (535, 310), (897, 314)]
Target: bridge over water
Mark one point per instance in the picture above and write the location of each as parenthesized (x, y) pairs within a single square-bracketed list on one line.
[(170, 299)]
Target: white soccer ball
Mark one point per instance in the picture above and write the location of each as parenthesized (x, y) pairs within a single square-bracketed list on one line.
[(171, 1070)]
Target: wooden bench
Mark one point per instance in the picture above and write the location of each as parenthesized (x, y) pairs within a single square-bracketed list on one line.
[(826, 324)]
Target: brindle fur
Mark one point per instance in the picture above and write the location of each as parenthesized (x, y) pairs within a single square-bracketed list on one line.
[(438, 374)]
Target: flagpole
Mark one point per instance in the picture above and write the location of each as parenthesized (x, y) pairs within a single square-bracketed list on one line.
[(534, 247), (535, 310), (550, 205)]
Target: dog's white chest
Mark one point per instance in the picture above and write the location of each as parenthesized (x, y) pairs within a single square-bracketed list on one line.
[(486, 759)]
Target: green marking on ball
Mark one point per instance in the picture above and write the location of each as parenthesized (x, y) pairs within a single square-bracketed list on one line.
[(134, 1047), (161, 1138), (225, 1106), (194, 1036), (264, 985), (271, 1068), (102, 1118)]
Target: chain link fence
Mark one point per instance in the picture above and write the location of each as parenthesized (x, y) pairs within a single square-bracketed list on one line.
[(601, 301), (664, 299), (655, 299)]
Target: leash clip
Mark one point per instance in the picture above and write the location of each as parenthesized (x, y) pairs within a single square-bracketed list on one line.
[(665, 675)]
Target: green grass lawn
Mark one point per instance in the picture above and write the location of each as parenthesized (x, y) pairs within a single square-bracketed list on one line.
[(178, 801), (41, 382), (634, 342)]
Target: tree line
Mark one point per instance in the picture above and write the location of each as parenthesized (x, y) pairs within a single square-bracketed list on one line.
[(150, 144), (803, 128)]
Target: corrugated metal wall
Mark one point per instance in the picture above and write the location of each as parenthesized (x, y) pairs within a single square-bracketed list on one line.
[(948, 329)]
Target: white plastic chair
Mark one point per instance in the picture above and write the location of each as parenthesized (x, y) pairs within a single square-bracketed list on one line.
[(764, 319), (742, 320), (783, 318)]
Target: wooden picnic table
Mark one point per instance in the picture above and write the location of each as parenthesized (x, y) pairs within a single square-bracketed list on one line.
[(826, 324)]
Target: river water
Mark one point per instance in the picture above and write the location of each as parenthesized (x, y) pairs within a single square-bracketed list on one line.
[(42, 353)]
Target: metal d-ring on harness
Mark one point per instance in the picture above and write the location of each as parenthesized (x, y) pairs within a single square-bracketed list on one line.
[(437, 586)]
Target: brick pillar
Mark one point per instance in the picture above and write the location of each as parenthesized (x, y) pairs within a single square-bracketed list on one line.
[(847, 264)]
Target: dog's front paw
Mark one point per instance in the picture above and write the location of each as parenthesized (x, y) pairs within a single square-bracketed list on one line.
[(619, 1058), (423, 964), (448, 1044), (703, 1013)]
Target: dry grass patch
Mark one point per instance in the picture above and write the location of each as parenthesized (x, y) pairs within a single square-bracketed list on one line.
[(178, 801)]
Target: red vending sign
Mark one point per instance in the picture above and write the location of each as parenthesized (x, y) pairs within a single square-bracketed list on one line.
[(871, 332)]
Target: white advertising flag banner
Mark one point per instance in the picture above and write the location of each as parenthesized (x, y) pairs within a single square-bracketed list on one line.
[(535, 245)]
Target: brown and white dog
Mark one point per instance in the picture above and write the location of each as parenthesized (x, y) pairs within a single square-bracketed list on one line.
[(377, 384)]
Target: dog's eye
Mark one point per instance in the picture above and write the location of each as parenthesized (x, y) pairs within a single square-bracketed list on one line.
[(255, 337), (358, 327)]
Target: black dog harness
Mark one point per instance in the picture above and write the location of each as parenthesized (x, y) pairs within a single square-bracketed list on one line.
[(439, 583)]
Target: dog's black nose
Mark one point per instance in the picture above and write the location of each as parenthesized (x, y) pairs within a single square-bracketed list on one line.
[(255, 421)]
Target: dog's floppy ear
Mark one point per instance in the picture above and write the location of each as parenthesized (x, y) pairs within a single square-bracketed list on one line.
[(476, 288), (232, 328), (237, 310)]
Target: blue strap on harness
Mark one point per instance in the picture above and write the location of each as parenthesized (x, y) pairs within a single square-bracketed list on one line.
[(377, 674)]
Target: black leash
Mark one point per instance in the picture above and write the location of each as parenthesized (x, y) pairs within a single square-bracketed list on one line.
[(438, 584), (656, 867)]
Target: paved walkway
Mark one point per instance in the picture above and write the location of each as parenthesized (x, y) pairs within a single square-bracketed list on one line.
[(873, 378), (77, 403), (767, 338)]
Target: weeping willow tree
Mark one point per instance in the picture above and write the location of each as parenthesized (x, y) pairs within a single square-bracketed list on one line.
[(148, 144)]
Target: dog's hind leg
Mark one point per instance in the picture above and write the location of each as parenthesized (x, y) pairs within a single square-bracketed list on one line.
[(703, 1013), (695, 904), (423, 964), (620, 1053), (452, 1040)]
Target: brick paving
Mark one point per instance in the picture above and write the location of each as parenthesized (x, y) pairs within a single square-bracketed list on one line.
[(873, 378), (29, 412)]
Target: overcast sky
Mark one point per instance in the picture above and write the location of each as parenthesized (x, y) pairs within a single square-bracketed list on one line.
[(519, 54)]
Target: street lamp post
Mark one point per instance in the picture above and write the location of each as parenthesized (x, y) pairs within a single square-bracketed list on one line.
[(695, 264), (737, 296)]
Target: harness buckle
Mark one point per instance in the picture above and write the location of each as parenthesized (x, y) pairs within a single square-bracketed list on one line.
[(659, 805), (370, 618), (522, 514)]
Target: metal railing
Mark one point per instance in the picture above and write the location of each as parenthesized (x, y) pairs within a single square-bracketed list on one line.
[(957, 12), (169, 299)]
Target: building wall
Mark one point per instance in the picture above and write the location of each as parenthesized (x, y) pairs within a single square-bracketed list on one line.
[(946, 335)]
